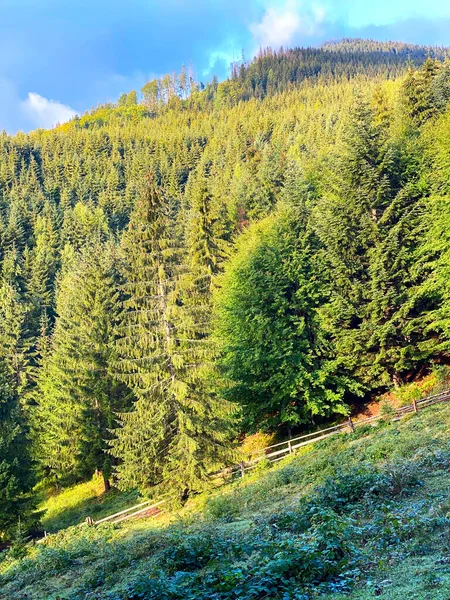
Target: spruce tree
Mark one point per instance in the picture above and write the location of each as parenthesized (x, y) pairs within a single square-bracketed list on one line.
[(176, 432), (392, 337), (16, 337), (16, 469), (77, 397), (360, 220), (429, 301), (419, 92)]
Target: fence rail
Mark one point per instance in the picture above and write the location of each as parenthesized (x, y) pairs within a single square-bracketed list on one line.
[(276, 452), (130, 512)]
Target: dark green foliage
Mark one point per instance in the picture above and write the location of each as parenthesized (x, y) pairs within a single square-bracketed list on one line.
[(176, 433), (16, 476), (76, 397), (426, 91), (441, 87), (369, 223), (276, 352), (275, 70)]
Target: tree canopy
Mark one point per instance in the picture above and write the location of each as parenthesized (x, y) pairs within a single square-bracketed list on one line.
[(203, 261)]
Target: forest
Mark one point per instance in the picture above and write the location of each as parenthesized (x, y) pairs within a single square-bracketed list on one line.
[(199, 262)]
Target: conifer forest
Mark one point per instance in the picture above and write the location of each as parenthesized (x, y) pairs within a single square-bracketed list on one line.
[(199, 262)]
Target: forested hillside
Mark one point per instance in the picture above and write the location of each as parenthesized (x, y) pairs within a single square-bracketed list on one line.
[(203, 262)]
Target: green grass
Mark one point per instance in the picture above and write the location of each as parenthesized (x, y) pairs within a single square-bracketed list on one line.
[(367, 514), (416, 578), (73, 505)]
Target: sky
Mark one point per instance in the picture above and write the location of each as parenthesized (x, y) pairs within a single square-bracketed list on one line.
[(62, 57)]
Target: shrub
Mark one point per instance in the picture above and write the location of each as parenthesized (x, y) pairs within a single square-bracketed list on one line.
[(224, 506), (387, 411), (263, 465), (253, 445)]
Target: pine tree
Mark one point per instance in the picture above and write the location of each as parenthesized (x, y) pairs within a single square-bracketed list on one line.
[(393, 340), (441, 87), (41, 266), (418, 92), (206, 241), (16, 474), (16, 338), (429, 300), (354, 220)]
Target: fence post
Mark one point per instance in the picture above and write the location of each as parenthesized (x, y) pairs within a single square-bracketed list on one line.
[(242, 469), (416, 409), (350, 423), (290, 446)]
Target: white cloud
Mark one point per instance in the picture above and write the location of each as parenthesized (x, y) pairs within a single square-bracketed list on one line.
[(284, 25), (45, 113), (221, 57)]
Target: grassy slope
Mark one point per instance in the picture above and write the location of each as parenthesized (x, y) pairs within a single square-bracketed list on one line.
[(378, 528), (73, 505)]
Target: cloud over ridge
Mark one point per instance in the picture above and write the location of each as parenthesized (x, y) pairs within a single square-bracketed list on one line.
[(282, 25), (45, 113)]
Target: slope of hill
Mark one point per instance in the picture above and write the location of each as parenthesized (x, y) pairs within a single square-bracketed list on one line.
[(274, 71), (179, 272), (268, 74), (363, 514)]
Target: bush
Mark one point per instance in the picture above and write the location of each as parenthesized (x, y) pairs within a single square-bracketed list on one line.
[(253, 445), (224, 506), (342, 492), (263, 465), (276, 563), (387, 411)]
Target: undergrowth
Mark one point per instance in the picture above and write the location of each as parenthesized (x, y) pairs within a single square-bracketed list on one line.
[(335, 521), (73, 505)]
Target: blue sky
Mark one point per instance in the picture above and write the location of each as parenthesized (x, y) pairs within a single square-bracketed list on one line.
[(58, 57)]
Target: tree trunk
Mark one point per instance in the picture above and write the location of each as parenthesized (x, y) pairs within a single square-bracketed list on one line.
[(184, 496), (397, 380), (106, 483)]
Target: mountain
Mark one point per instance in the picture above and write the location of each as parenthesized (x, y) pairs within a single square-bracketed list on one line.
[(199, 263), (274, 71)]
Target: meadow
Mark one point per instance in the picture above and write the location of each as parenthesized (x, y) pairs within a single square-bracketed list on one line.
[(358, 515)]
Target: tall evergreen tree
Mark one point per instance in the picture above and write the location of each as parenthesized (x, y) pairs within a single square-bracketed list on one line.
[(77, 397), (345, 219), (176, 432), (276, 354), (419, 92), (16, 338), (430, 299), (16, 470)]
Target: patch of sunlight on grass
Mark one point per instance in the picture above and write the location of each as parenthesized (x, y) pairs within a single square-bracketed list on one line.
[(72, 505)]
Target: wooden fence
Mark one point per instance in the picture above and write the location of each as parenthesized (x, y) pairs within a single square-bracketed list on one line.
[(276, 452), (153, 511), (281, 450)]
